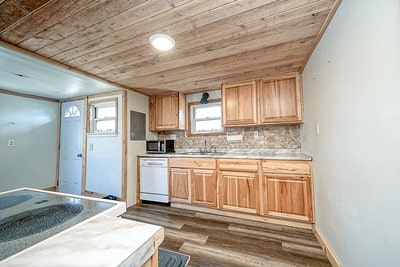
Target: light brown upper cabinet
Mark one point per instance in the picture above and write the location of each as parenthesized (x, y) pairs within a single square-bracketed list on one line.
[(239, 104), (167, 112), (270, 101), (280, 100)]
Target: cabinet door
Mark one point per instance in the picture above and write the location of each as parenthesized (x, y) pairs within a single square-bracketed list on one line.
[(204, 185), (152, 113), (239, 104), (179, 185), (239, 191), (280, 100), (166, 107), (288, 196)]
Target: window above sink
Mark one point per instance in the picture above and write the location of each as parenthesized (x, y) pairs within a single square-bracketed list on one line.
[(206, 119)]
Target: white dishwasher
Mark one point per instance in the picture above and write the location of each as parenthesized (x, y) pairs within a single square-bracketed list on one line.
[(154, 179)]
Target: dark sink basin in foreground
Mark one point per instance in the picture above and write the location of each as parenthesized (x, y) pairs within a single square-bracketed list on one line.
[(37, 220)]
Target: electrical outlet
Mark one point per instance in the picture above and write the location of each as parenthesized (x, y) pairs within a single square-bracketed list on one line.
[(90, 146), (11, 142), (255, 134), (317, 128)]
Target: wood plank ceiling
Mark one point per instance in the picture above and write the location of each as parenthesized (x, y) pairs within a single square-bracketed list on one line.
[(217, 41)]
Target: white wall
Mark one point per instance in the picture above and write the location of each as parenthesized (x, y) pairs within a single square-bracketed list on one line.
[(104, 161), (139, 103), (32, 161), (352, 89)]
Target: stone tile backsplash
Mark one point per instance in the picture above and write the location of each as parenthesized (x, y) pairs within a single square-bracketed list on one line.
[(269, 137)]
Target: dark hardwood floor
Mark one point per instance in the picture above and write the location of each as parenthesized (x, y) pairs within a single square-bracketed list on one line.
[(214, 240)]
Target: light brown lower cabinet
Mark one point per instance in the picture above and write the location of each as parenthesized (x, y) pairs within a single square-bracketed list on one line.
[(274, 188), (204, 187), (288, 197), (179, 185), (239, 191), (239, 185), (288, 189), (193, 180)]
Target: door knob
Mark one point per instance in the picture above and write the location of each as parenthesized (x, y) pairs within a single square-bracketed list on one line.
[(79, 155)]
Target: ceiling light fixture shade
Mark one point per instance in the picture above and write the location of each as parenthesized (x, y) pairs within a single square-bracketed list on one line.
[(162, 42)]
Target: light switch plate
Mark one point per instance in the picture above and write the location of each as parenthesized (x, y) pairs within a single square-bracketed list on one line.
[(317, 128)]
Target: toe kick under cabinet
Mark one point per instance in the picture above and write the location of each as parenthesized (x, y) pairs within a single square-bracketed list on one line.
[(273, 188)]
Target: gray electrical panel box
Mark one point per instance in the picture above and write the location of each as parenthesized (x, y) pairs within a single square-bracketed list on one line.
[(138, 126)]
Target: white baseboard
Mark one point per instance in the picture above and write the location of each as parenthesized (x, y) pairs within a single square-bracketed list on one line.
[(325, 246)]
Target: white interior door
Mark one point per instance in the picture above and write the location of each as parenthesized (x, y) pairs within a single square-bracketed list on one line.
[(70, 167)]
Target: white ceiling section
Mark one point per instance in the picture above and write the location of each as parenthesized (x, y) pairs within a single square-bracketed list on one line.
[(28, 75)]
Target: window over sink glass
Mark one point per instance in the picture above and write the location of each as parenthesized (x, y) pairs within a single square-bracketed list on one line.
[(206, 119)]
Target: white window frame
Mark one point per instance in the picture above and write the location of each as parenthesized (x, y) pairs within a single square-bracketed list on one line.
[(192, 120), (72, 112), (93, 119)]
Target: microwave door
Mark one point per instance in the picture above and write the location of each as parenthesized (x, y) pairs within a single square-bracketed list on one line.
[(153, 146)]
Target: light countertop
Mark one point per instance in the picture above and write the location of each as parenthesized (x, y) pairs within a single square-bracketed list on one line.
[(103, 241), (94, 237), (273, 154)]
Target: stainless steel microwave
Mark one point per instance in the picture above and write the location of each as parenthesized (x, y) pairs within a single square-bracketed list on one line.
[(160, 146)]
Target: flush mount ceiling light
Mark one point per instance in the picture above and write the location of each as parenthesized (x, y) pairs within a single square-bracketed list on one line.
[(162, 42)]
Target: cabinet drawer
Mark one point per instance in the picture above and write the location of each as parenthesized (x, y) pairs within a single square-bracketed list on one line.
[(193, 163), (286, 167), (238, 165)]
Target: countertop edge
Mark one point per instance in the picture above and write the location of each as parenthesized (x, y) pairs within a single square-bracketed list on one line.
[(301, 156), (93, 240)]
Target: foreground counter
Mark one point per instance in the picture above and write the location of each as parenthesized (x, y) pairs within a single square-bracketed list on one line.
[(54, 229)]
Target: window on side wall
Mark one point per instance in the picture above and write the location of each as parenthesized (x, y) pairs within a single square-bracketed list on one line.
[(206, 119), (103, 117)]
